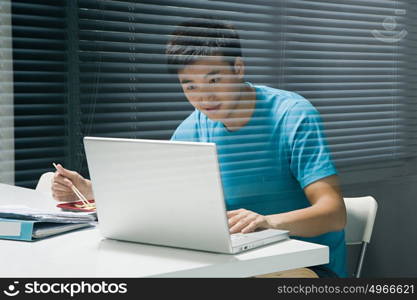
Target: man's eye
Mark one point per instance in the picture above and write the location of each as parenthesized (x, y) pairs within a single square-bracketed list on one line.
[(190, 88), (215, 80)]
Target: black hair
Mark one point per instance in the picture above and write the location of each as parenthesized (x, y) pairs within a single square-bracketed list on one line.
[(202, 37)]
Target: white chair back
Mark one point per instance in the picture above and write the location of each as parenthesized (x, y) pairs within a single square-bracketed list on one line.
[(45, 182), (361, 213)]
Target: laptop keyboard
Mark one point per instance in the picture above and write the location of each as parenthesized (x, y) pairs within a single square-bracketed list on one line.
[(243, 238), (238, 238)]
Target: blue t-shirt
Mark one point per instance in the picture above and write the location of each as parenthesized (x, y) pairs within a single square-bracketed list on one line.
[(266, 164)]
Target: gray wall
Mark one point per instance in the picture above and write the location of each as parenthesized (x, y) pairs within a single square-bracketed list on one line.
[(393, 248)]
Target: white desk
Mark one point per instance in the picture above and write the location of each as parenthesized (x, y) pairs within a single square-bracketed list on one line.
[(85, 253)]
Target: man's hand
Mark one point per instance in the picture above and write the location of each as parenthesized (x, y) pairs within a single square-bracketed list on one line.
[(245, 221), (63, 181)]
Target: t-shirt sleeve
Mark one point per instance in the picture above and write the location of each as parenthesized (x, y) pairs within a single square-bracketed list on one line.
[(310, 158), (187, 130)]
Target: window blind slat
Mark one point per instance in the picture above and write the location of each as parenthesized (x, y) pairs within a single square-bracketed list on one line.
[(39, 63), (322, 50), (363, 88)]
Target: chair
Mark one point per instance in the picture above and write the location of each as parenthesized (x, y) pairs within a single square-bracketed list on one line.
[(361, 212), (45, 182)]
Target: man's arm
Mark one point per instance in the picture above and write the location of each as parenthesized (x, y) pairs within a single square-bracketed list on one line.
[(326, 213)]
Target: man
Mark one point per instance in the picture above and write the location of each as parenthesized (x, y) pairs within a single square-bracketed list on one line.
[(275, 165)]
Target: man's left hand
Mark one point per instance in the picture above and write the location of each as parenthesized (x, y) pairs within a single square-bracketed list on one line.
[(245, 221)]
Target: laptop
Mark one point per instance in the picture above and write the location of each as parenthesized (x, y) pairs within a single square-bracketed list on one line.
[(164, 193)]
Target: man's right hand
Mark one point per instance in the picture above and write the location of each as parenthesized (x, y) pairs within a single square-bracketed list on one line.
[(63, 181)]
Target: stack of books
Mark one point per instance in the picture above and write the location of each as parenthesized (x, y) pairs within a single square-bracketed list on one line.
[(18, 222)]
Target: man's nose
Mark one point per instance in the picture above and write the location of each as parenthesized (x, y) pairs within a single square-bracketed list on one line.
[(208, 99), (207, 94)]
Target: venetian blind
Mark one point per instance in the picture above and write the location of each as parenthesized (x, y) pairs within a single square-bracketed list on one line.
[(348, 58), (39, 66)]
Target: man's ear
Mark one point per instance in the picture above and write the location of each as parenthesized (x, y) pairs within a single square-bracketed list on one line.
[(239, 67)]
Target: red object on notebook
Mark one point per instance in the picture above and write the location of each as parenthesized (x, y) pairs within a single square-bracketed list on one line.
[(76, 206)]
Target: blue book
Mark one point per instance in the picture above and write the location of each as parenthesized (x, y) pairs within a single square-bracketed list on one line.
[(31, 230)]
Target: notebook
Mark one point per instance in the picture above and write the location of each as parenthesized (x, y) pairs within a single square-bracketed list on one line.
[(164, 193)]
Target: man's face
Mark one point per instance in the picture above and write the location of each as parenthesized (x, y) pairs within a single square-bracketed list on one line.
[(213, 86)]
